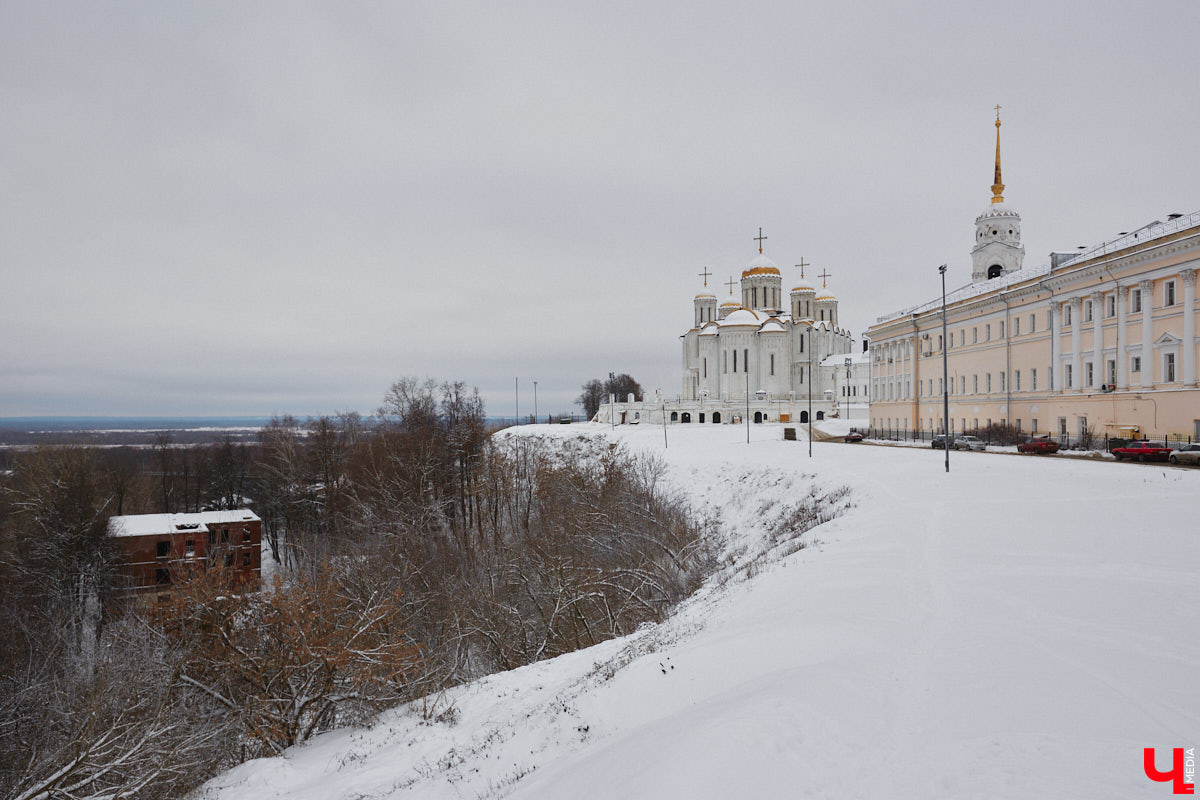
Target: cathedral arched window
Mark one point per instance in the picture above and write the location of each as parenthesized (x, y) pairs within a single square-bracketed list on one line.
[(995, 271)]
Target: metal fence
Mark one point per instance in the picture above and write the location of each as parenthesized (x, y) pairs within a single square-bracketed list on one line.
[(1065, 441)]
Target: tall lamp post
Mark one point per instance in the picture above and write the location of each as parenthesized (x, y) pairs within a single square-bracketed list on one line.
[(945, 374), (846, 389), (810, 383), (535, 402)]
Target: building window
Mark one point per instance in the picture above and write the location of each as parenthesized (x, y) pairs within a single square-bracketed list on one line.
[(1135, 364), (1017, 380), (1033, 379), (962, 337), (963, 385), (246, 559), (1110, 367), (941, 386), (724, 361), (229, 559), (1067, 314), (772, 363), (245, 536), (802, 374), (1089, 375), (987, 332), (1017, 326), (975, 384), (1169, 367), (939, 342), (746, 360), (1110, 305), (1135, 300), (802, 343), (1003, 377), (224, 535), (735, 360), (189, 548), (1087, 311), (1001, 330), (989, 381), (1169, 293), (706, 366), (1033, 426), (1069, 377), (162, 576), (974, 335), (162, 549), (1033, 323)]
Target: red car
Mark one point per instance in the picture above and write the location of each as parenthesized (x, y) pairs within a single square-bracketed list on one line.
[(854, 436), (1038, 445), (1143, 451)]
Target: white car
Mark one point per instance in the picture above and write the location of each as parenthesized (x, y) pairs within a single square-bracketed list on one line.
[(968, 442), (1188, 454)]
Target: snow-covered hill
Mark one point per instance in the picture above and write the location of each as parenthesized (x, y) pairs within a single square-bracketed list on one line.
[(1021, 627)]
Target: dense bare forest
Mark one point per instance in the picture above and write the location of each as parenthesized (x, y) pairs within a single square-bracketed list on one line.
[(412, 552)]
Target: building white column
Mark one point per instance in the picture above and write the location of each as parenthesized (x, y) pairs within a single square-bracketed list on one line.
[(1099, 375), (1122, 361), (1189, 325), (1147, 288), (1055, 377), (1076, 346)]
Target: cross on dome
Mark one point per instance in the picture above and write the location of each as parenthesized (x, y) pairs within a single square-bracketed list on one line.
[(823, 277), (731, 283), (705, 275), (759, 239), (802, 265)]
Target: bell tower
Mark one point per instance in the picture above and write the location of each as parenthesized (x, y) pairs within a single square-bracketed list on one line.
[(998, 249)]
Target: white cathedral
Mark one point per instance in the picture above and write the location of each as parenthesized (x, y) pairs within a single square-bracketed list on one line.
[(760, 359)]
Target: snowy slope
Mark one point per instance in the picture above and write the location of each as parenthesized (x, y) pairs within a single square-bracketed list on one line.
[(1021, 627)]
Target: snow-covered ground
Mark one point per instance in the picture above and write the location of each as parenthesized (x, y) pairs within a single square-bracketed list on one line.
[(1021, 627)]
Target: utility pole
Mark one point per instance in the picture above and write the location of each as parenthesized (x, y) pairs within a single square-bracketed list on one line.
[(535, 402), (847, 387), (516, 401), (748, 390), (945, 373)]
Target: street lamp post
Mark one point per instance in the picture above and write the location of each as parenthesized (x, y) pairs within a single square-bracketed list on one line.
[(535, 402), (945, 374), (810, 384), (846, 388)]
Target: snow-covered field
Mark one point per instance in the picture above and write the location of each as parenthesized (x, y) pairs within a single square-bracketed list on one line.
[(1022, 627)]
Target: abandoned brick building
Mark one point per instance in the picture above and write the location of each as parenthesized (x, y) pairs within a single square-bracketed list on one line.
[(157, 550)]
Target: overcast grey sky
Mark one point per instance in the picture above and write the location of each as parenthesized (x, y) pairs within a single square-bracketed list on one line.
[(239, 208)]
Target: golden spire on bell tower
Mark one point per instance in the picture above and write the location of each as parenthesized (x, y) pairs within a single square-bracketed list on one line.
[(998, 186)]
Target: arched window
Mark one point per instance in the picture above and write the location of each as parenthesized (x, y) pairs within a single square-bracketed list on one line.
[(674, 416), (716, 418), (804, 416), (820, 415), (758, 418), (686, 417), (995, 271)]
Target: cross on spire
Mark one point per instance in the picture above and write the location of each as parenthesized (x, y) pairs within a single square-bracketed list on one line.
[(997, 113), (730, 283), (802, 265), (759, 239), (705, 275), (823, 276)]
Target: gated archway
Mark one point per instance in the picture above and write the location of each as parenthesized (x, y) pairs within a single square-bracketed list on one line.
[(685, 417), (716, 417), (804, 416), (757, 417), (820, 415), (674, 416)]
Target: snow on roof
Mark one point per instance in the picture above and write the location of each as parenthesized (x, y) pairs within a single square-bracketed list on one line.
[(1143, 235), (839, 359), (158, 524), (802, 287), (997, 210), (772, 325), (743, 316)]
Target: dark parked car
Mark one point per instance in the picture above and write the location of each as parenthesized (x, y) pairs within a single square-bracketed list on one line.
[(1038, 444), (1143, 451), (939, 441), (1188, 454), (854, 436)]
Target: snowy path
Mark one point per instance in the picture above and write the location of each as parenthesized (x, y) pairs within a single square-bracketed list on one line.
[(1021, 627)]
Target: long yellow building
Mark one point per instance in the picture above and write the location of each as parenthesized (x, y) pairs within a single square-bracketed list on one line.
[(1102, 341)]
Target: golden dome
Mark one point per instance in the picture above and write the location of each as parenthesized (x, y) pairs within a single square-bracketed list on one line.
[(760, 271)]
